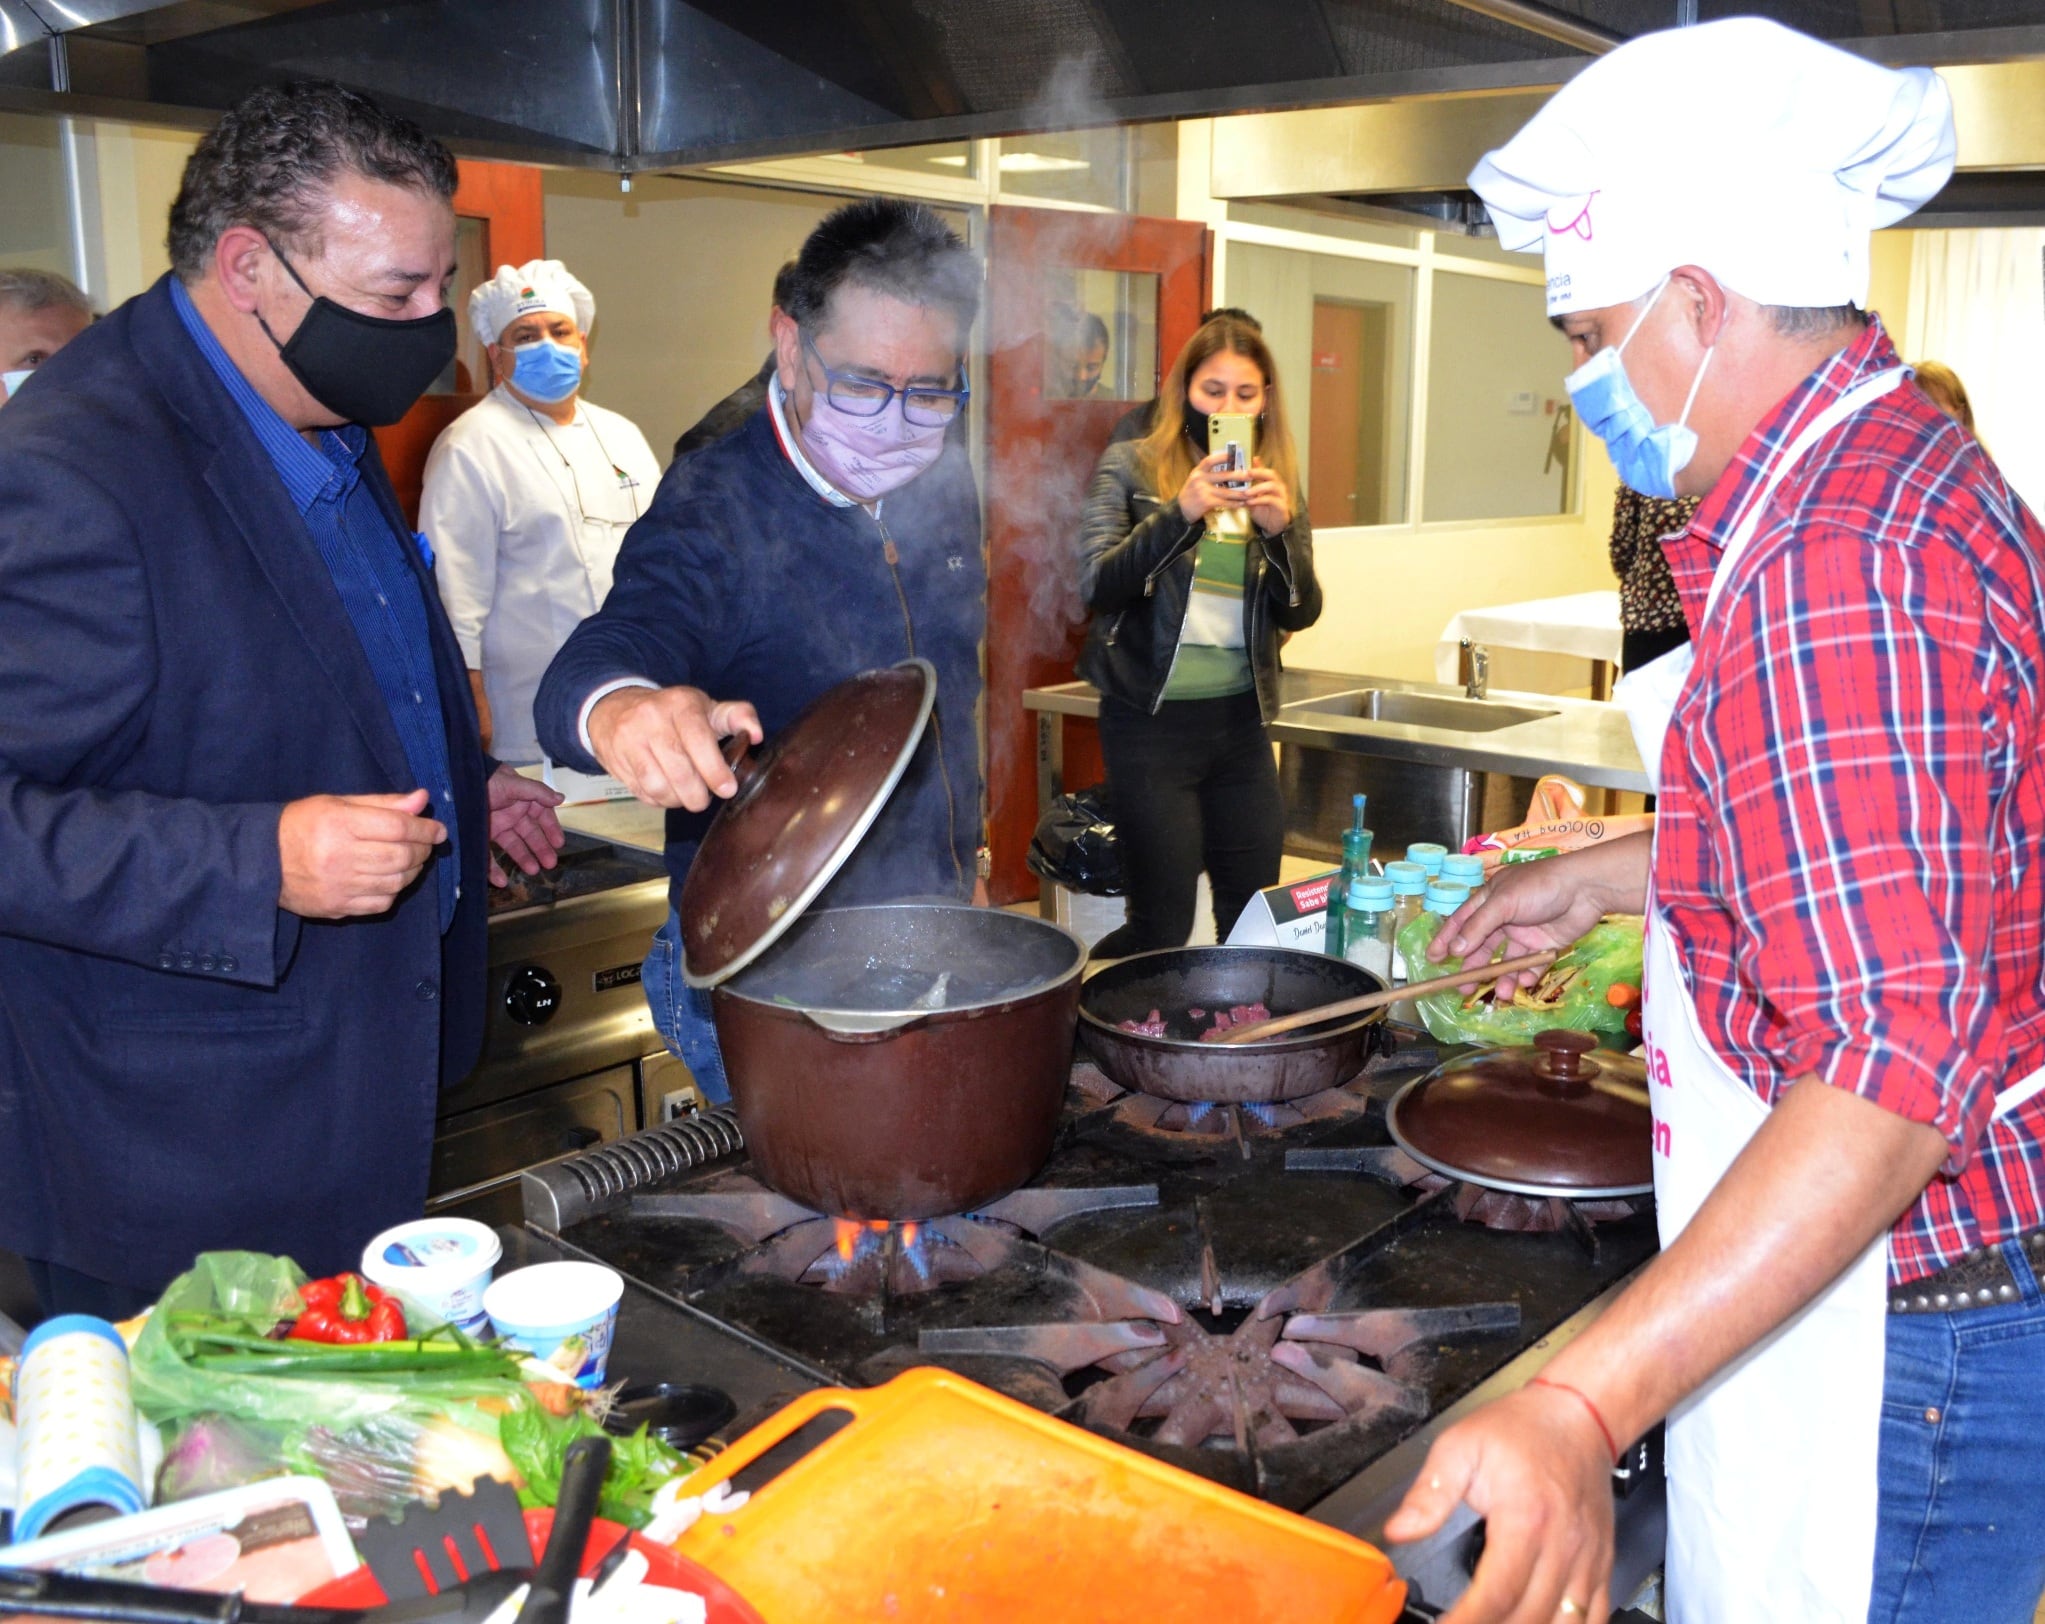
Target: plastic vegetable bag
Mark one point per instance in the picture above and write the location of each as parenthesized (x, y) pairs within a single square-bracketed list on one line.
[(383, 1423), (1590, 988)]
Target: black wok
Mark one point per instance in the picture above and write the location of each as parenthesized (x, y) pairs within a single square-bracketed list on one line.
[(1180, 1067)]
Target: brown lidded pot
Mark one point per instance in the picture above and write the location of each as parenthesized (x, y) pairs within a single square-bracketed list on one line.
[(1557, 1117), (900, 1061)]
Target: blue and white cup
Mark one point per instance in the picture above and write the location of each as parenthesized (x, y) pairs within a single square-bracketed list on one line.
[(439, 1267), (561, 1315)]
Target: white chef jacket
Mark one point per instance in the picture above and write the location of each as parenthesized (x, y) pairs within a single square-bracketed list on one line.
[(526, 517)]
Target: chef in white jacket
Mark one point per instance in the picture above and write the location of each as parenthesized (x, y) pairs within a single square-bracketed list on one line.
[(528, 495)]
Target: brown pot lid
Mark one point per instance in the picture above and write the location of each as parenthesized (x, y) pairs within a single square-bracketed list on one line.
[(803, 803), (1560, 1117)]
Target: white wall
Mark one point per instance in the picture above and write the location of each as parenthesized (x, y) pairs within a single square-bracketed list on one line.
[(683, 273)]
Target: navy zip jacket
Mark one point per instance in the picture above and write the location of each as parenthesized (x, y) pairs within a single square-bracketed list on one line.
[(185, 1066), (743, 581)]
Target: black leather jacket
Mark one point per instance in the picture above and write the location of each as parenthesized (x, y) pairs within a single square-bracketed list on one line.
[(1136, 572)]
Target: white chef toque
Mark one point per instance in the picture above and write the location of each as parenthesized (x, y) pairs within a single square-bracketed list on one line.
[(1762, 155), (519, 290)]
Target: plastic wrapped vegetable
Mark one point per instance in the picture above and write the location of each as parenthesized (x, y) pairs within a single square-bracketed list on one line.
[(1590, 988), (383, 1422)]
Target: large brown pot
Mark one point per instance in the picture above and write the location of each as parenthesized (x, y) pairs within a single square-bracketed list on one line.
[(857, 1102)]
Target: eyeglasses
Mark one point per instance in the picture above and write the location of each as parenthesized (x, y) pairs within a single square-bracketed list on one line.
[(859, 396)]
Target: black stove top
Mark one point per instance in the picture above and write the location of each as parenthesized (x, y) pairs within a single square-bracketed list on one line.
[(1262, 1301)]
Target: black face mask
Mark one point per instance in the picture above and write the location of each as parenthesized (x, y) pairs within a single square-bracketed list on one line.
[(363, 368)]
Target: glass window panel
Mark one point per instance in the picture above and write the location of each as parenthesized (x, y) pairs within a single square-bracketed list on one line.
[(953, 158), (1499, 444), (1074, 166), (34, 218), (1100, 331), (1341, 337), (1326, 223)]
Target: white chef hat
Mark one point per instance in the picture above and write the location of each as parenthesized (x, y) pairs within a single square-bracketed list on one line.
[(519, 290), (1762, 155)]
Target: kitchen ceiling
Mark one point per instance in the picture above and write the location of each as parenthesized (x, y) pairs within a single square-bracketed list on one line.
[(635, 85)]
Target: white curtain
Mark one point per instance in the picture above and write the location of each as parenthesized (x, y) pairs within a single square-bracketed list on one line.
[(1977, 303)]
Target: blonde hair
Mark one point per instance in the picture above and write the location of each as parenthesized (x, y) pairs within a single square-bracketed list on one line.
[(1947, 393), (1168, 455)]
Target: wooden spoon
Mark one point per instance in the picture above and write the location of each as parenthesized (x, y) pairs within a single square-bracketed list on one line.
[(1482, 974)]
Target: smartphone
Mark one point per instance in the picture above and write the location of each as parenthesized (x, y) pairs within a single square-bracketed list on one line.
[(1235, 433)]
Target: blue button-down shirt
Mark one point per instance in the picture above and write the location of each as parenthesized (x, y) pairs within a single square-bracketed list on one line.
[(377, 588)]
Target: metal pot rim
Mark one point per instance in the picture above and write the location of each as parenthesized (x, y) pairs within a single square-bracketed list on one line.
[(1311, 1037), (880, 1020)]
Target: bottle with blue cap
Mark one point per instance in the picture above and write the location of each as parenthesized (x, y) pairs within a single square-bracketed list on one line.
[(1369, 941), (1355, 865), (1444, 898), (1409, 889), (1464, 869), (1428, 854), (79, 1456)]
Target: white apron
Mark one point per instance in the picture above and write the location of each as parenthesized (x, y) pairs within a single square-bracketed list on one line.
[(1772, 1494), (1772, 1463)]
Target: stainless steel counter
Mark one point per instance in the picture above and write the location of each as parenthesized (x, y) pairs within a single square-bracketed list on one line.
[(1586, 739)]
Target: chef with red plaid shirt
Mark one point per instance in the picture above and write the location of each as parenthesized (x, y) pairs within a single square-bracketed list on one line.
[(1845, 891)]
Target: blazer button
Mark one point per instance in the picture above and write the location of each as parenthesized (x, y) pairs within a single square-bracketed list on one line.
[(207, 962), (228, 965), (186, 961), (166, 961), (427, 992)]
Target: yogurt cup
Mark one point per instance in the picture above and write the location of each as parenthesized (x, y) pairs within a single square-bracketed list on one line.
[(439, 1267), (561, 1314)]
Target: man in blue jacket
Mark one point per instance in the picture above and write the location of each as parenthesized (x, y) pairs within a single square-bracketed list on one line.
[(838, 530), (244, 817)]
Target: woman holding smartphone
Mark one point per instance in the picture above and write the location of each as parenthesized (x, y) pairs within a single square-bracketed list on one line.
[(1195, 555)]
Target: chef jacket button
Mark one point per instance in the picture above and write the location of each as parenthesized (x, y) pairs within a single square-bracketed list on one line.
[(228, 965), (185, 961), (166, 961), (427, 992), (1931, 1415), (206, 962)]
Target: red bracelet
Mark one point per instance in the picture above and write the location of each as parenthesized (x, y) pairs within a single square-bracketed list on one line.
[(1582, 1398)]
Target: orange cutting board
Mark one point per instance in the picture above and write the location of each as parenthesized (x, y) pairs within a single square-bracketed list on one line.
[(943, 1500)]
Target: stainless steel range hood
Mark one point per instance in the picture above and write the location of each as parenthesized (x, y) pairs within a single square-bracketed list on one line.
[(634, 85)]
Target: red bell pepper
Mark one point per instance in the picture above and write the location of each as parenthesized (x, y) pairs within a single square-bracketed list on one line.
[(347, 1309)]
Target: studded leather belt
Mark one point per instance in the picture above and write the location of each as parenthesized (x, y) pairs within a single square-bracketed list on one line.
[(1978, 1279)]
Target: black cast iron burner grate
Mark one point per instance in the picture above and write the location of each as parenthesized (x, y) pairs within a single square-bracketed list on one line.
[(1473, 1203), (787, 1241), (1290, 1366)]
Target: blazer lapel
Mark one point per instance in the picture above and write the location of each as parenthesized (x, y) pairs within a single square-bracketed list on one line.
[(245, 482)]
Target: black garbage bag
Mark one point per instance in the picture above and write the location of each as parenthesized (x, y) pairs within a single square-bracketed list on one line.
[(1076, 845)]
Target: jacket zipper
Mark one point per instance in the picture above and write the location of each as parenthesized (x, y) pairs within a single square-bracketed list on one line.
[(951, 821)]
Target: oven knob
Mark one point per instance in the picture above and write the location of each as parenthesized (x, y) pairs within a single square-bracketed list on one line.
[(532, 997)]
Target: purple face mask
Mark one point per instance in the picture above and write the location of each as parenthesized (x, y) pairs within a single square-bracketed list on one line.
[(866, 457)]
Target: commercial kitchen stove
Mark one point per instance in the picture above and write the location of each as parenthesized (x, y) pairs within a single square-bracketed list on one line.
[(1275, 1299)]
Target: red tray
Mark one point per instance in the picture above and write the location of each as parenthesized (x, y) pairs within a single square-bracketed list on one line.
[(724, 1605)]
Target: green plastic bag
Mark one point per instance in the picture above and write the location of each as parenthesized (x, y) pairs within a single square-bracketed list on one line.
[(380, 1440), (1574, 992)]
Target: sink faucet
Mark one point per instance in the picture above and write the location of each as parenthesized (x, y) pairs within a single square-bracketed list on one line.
[(1477, 670)]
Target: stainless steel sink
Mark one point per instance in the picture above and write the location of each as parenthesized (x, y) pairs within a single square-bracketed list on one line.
[(1421, 710)]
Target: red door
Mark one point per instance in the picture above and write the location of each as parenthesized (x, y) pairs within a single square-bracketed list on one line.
[(1085, 314), (499, 219)]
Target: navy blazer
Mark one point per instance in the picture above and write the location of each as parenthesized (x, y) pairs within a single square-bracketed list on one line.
[(183, 1065)]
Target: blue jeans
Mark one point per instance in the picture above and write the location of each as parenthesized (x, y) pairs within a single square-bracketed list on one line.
[(1961, 1532), (681, 1014)]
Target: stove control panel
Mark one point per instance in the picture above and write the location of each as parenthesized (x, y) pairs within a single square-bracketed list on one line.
[(532, 997)]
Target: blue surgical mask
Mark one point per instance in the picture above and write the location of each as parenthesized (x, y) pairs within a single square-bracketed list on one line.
[(547, 371), (1648, 455)]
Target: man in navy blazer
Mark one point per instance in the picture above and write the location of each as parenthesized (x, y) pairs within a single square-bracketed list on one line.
[(245, 820)]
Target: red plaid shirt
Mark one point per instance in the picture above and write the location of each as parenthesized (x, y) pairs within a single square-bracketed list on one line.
[(1851, 841)]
